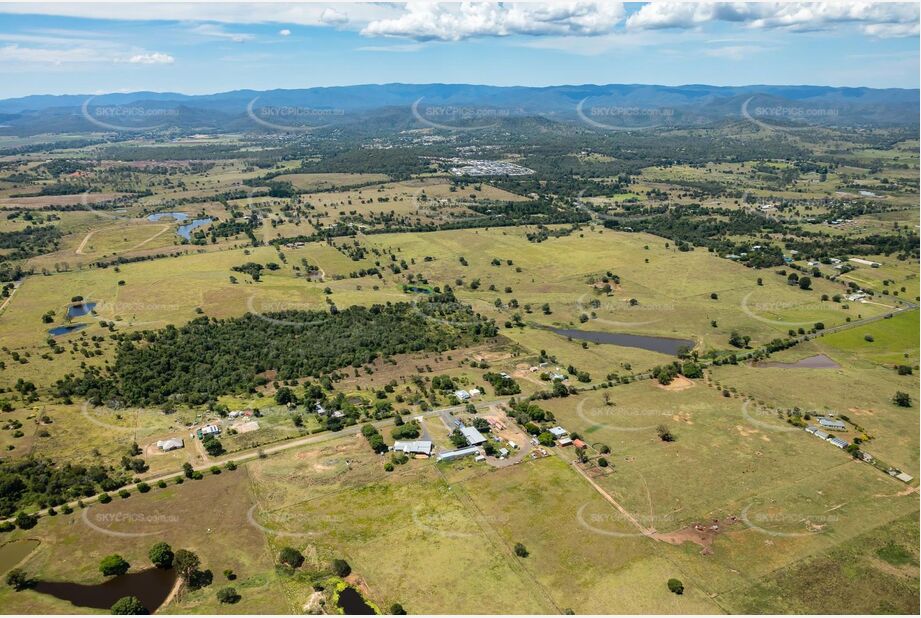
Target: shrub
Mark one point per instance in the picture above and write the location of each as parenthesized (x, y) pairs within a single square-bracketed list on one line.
[(113, 565), (128, 606), (341, 567), (521, 551), (228, 595), (291, 557), (161, 555), (676, 586)]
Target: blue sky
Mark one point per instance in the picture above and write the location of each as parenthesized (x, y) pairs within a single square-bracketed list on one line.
[(202, 48)]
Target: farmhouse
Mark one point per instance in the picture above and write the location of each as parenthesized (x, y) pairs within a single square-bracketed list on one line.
[(473, 436), (462, 395), (170, 445), (558, 432), (415, 447), (832, 423), (458, 454), (208, 430)]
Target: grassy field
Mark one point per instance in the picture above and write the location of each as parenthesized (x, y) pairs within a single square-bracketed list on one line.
[(208, 517)]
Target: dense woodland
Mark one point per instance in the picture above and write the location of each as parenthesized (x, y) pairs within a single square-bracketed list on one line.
[(207, 357)]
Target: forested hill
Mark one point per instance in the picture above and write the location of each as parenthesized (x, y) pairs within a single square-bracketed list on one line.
[(208, 357)]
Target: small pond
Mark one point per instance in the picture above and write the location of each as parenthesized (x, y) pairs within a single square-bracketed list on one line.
[(158, 216), (151, 586), (186, 230), (819, 361), (57, 331), (352, 603), (13, 552), (79, 310), (416, 289), (663, 345)]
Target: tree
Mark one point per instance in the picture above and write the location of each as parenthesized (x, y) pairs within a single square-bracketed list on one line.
[(341, 567), (903, 400), (187, 563), (805, 283), (25, 521), (284, 396), (18, 580), (521, 551), (114, 565), (213, 446), (128, 606), (545, 438), (161, 555), (676, 586), (602, 462), (291, 557), (228, 595), (665, 433), (397, 610)]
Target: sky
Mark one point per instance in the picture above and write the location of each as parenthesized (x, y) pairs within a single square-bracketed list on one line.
[(199, 48)]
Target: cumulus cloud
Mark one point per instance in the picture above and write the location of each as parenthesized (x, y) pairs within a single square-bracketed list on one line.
[(153, 58), (284, 32), (454, 22), (333, 17), (876, 19)]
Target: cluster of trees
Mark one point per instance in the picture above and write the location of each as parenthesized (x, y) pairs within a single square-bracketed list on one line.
[(209, 357), (502, 385), (43, 483), (374, 438), (31, 241)]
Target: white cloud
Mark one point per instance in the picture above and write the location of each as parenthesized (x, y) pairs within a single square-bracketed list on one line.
[(733, 52), (253, 12), (218, 32), (154, 58), (40, 55), (333, 17), (454, 22), (876, 19), (284, 32)]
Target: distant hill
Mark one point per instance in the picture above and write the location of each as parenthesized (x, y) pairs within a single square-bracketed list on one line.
[(603, 106)]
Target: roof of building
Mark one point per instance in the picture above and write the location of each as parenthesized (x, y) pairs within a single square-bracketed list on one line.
[(820, 434), (473, 436), (558, 431), (170, 444), (461, 452), (462, 394), (564, 441), (903, 477), (838, 442), (812, 429), (414, 446), (578, 443), (832, 423)]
